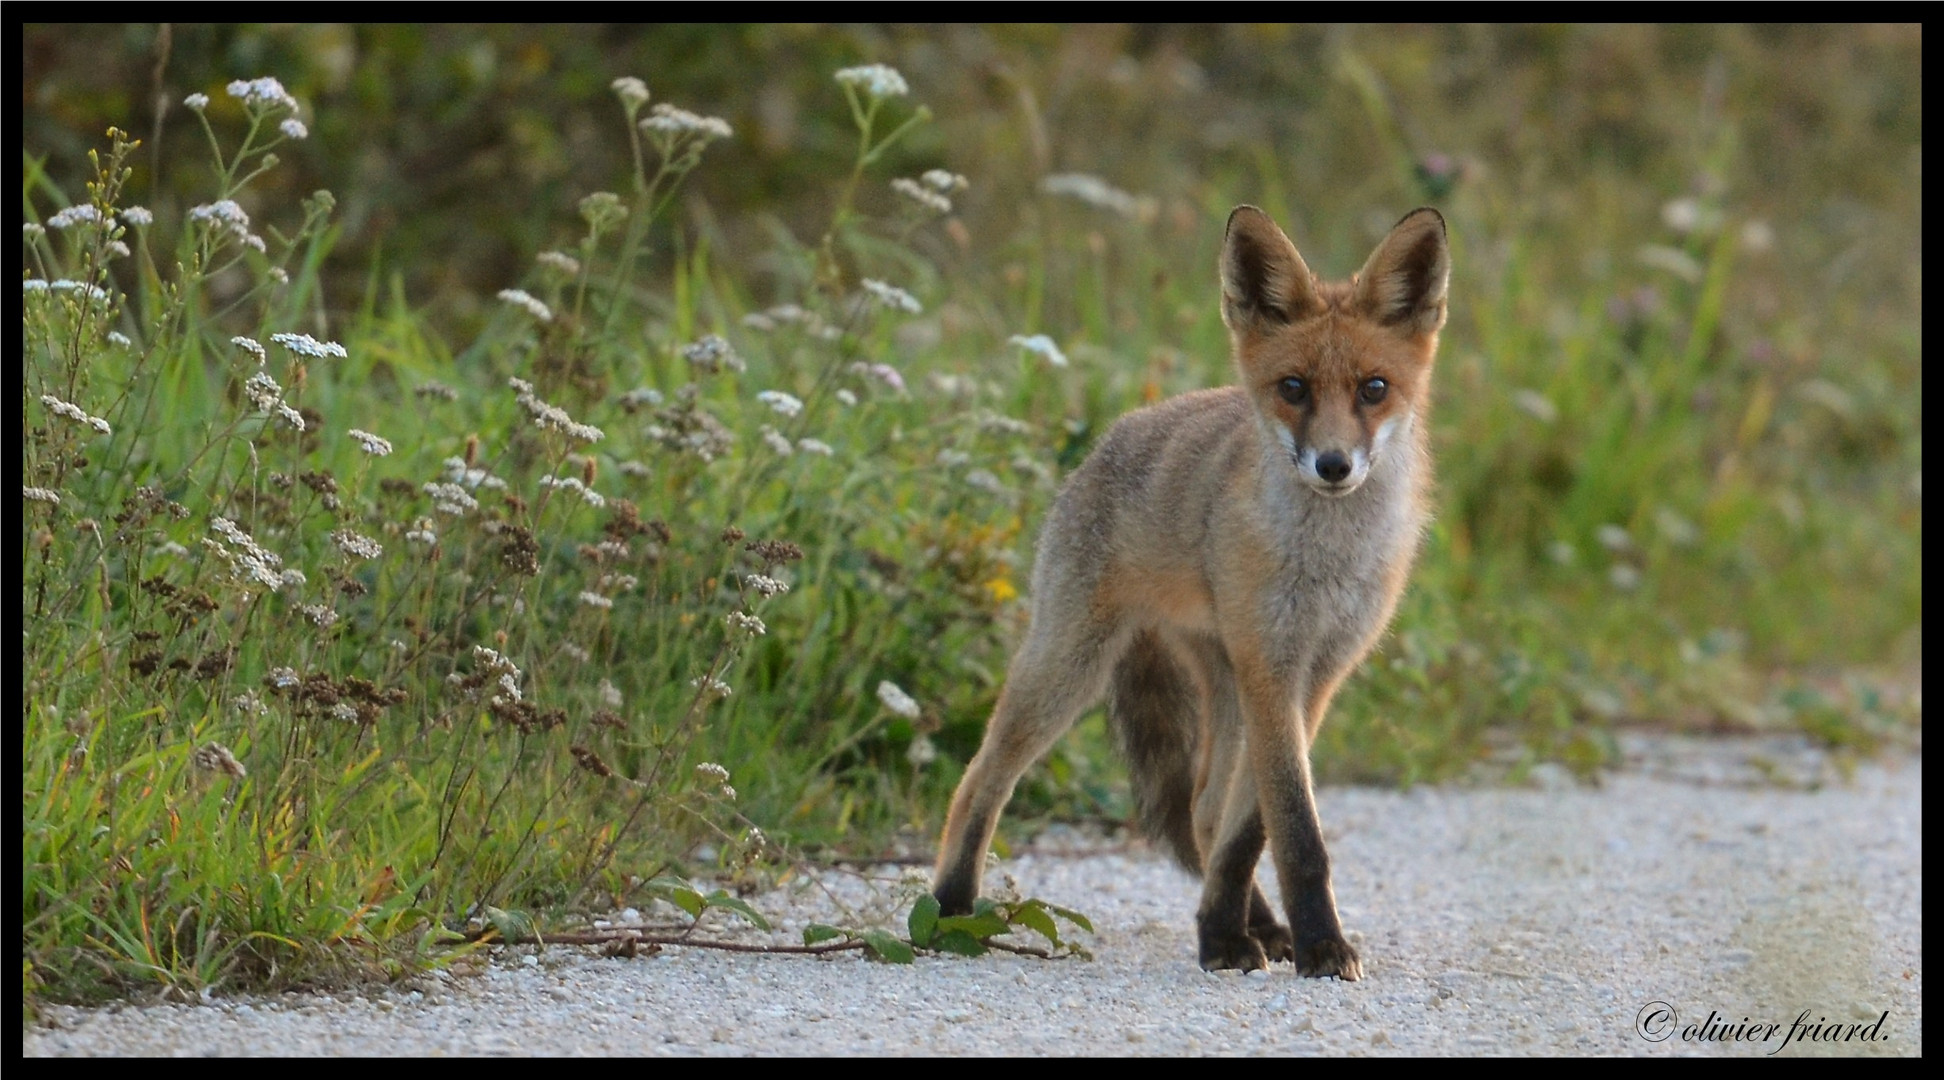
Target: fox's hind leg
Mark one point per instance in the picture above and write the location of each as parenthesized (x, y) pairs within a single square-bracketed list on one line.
[(1060, 670)]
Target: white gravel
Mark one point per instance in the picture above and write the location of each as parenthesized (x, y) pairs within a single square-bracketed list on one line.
[(1499, 921)]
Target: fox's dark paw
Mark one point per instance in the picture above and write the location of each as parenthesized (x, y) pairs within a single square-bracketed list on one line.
[(1325, 957), (1236, 951), (1275, 939), (954, 898)]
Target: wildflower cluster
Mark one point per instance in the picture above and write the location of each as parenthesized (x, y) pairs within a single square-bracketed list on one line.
[(551, 416), (891, 296), (931, 191), (226, 218), (75, 413), (306, 345), (711, 354), (267, 397), (520, 298), (248, 561), (875, 80)]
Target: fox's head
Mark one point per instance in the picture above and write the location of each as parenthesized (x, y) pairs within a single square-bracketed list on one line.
[(1339, 374)]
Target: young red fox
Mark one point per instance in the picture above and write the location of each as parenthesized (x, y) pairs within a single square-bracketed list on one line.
[(1216, 568)]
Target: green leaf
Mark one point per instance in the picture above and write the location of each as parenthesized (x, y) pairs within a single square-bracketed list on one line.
[(960, 942), (979, 926), (687, 899), (1033, 916), (1071, 916), (817, 931), (924, 920), (885, 947), (984, 906), (722, 899)]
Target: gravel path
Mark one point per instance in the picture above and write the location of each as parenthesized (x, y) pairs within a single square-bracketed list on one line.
[(1501, 921)]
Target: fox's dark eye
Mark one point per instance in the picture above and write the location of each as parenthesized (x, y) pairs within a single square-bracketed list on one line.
[(1373, 391), (1293, 390)]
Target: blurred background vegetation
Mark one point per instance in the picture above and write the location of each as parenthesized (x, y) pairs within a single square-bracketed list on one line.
[(1678, 425)]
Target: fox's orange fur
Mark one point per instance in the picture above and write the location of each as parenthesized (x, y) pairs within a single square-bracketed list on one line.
[(1217, 567)]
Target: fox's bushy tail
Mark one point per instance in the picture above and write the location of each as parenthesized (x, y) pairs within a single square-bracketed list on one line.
[(1152, 706)]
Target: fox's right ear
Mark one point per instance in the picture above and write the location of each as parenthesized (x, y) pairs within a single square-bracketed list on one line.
[(1264, 282)]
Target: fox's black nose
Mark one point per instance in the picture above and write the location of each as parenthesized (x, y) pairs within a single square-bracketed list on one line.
[(1333, 466)]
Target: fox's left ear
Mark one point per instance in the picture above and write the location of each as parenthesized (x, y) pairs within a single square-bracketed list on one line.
[(1403, 283)]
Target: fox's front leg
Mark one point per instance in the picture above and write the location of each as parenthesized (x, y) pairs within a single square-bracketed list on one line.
[(1278, 748)]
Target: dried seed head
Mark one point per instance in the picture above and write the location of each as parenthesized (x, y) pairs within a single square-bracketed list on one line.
[(215, 757), (731, 534), (472, 449)]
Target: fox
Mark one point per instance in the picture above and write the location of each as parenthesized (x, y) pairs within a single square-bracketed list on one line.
[(1215, 569)]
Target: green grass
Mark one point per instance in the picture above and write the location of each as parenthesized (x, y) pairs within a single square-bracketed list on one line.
[(1677, 430)]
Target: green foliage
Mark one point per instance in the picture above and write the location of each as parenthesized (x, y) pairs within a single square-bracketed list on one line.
[(1677, 429)]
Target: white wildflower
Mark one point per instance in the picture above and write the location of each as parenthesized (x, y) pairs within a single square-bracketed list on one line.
[(197, 102), (294, 579), (815, 446), (765, 584), (744, 621), (922, 195), (845, 396), (610, 694), (262, 93), (306, 345), (282, 678), (118, 250), (775, 440), (172, 549), (421, 533), (33, 285), (641, 395), (669, 120), (248, 702), (290, 416), (876, 80), (33, 230), (449, 498), (708, 771), (116, 337), (40, 494), (323, 616), (136, 215), (1042, 346), (632, 92), (345, 712), (373, 444), (356, 546), (711, 688), (215, 757), (952, 459), (711, 354), (633, 468), (944, 182), (595, 600), (78, 214), (559, 260), (92, 292), (294, 128), (279, 275), (75, 413), (552, 416), (522, 298), (619, 582), (263, 391), (895, 699), (780, 402), (921, 752), (892, 297), (1096, 192), (251, 346)]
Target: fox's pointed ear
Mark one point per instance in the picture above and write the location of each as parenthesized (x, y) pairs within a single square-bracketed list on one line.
[(1403, 284), (1264, 281)]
